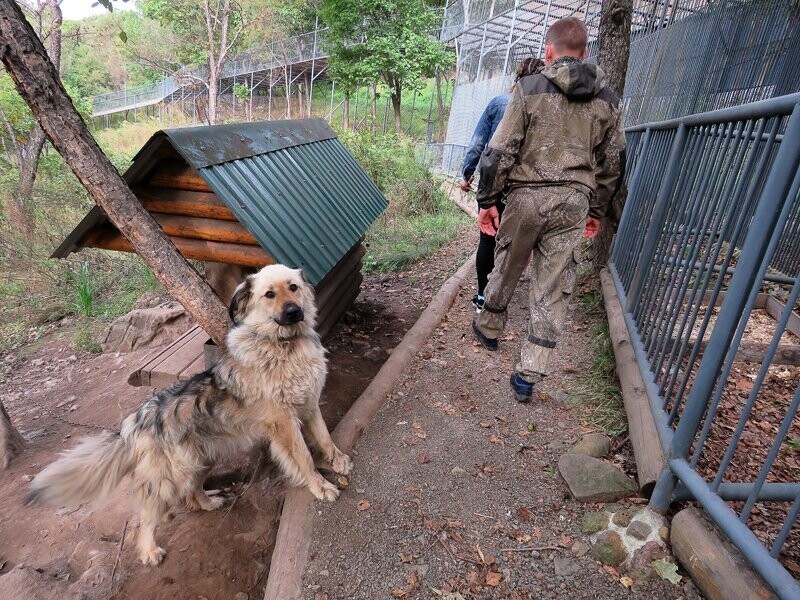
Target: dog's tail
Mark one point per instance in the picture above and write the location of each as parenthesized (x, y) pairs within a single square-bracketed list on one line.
[(89, 471)]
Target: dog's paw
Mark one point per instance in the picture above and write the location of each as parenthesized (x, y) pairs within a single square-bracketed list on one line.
[(214, 503), (342, 463), (152, 556), (324, 490)]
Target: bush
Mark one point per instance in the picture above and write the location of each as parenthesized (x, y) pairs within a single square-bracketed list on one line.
[(420, 218)]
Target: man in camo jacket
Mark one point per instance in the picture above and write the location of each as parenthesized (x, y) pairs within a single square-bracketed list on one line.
[(554, 162)]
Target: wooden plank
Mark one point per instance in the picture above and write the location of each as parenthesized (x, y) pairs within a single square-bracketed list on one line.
[(775, 307), (198, 366), (234, 254), (754, 352), (141, 376), (182, 202), (177, 362), (182, 341), (177, 175), (205, 229)]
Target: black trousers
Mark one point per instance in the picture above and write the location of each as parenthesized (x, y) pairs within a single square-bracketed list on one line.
[(484, 258)]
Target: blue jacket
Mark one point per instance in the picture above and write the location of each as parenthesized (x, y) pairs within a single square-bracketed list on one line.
[(484, 131)]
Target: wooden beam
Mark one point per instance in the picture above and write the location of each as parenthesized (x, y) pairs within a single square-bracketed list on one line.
[(775, 307), (204, 229), (234, 254), (182, 202), (178, 175)]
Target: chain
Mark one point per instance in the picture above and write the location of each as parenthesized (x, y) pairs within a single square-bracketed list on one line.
[(67, 421)]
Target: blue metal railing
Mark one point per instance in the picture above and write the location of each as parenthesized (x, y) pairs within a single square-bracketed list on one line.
[(713, 212)]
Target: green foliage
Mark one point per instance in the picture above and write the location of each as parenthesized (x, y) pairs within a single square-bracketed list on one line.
[(241, 92), (297, 16), (420, 218), (383, 41), (84, 339), (84, 291)]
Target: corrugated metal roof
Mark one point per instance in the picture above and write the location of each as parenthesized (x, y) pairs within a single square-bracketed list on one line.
[(291, 184)]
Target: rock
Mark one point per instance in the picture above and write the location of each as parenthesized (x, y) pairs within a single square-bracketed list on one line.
[(639, 530), (592, 480), (89, 552), (640, 567), (594, 521), (623, 517), (558, 445), (458, 471), (609, 549), (25, 583), (147, 327), (563, 398), (566, 566), (580, 548), (663, 533), (593, 444)]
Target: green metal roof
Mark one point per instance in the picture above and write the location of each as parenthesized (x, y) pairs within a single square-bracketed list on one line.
[(291, 184)]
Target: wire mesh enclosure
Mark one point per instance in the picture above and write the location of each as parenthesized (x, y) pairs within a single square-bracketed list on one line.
[(707, 269)]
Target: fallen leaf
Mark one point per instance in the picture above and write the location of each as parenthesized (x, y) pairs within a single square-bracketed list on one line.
[(493, 578), (565, 541), (422, 435), (496, 440), (423, 459), (525, 514), (611, 571), (531, 426), (667, 570), (626, 581), (363, 504), (399, 593), (416, 425), (406, 558), (486, 423)]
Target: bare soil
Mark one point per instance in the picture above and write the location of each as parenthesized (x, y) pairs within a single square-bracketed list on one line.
[(210, 555)]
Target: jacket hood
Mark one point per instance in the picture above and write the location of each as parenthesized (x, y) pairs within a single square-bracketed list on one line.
[(577, 80)]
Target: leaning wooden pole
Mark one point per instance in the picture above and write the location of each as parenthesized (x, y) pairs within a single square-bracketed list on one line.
[(38, 83)]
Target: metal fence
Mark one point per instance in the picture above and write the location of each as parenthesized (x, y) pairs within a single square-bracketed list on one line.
[(707, 269)]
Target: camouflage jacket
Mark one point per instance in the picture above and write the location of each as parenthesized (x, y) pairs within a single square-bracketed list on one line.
[(562, 127)]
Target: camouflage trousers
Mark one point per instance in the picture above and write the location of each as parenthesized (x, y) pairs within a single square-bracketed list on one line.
[(545, 223)]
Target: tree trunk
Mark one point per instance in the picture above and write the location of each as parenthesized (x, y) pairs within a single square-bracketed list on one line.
[(374, 108), (614, 44), (11, 442), (440, 105), (346, 109), (213, 90), (22, 211), (398, 115), (38, 83)]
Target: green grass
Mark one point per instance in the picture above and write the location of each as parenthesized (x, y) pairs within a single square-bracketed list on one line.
[(598, 387)]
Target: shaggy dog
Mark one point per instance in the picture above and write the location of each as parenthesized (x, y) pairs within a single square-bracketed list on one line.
[(266, 386)]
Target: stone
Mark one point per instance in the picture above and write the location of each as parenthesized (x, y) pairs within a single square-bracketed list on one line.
[(609, 549), (593, 444), (639, 530), (640, 567), (593, 522), (580, 548), (146, 328), (25, 583), (89, 552), (623, 517), (565, 567), (558, 445), (592, 480), (663, 533), (458, 471)]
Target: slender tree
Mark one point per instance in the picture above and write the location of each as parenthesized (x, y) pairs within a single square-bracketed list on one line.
[(37, 81), (614, 43)]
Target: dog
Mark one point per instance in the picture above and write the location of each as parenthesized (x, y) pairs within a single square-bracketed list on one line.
[(265, 387)]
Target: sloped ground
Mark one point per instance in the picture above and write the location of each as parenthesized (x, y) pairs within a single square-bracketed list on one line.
[(455, 488)]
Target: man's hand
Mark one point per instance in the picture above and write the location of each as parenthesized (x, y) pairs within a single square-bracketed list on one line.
[(466, 184), (489, 220), (592, 227)]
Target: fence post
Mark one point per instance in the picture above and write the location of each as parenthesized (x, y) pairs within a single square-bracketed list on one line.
[(768, 209), (636, 176), (659, 215)]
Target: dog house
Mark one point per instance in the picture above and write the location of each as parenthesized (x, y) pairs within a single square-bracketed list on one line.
[(242, 196)]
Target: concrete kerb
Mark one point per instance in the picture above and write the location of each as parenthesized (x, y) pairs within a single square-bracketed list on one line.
[(290, 555)]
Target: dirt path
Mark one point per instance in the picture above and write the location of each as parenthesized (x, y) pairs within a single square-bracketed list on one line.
[(455, 488), (212, 555)]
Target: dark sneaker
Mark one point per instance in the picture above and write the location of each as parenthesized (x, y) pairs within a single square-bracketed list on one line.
[(488, 343), (477, 302), (523, 390)]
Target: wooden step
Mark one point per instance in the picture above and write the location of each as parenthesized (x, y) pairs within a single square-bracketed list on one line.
[(178, 361)]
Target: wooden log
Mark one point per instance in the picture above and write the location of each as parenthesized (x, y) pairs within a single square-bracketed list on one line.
[(182, 202), (715, 565), (234, 254), (775, 307), (293, 541), (205, 229), (641, 426), (178, 175)]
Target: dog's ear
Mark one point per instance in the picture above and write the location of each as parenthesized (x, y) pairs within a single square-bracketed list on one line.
[(302, 274), (241, 298)]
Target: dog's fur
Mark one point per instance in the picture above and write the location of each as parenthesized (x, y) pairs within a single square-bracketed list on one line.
[(265, 387)]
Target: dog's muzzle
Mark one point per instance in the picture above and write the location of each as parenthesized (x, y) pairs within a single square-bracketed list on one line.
[(290, 314)]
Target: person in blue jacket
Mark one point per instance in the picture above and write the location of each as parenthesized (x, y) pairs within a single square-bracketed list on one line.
[(484, 259)]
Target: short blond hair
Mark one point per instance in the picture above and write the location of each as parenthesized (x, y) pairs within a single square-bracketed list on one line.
[(569, 34)]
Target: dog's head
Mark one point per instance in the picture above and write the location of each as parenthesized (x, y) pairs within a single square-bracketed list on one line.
[(277, 302)]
